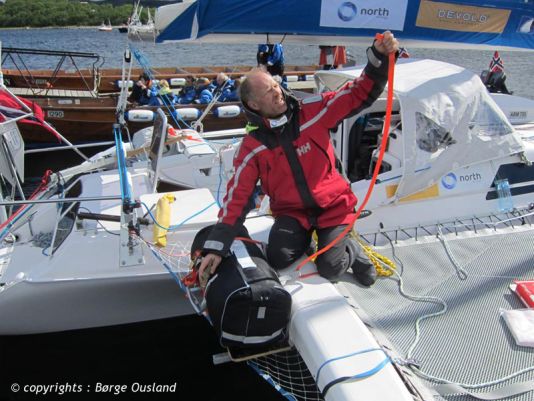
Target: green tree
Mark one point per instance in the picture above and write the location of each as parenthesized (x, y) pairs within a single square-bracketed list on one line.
[(57, 13)]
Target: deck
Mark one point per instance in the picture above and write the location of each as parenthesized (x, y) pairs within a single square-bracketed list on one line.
[(467, 341)]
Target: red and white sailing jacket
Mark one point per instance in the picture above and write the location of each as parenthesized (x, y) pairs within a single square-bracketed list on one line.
[(295, 162)]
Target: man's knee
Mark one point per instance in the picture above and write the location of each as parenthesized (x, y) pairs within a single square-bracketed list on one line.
[(281, 257), (332, 267), (288, 240), (334, 262)]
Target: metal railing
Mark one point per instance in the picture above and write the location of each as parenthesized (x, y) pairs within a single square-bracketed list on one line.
[(14, 55)]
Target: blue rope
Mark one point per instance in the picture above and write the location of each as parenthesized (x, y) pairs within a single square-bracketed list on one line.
[(6, 229), (176, 226), (145, 64), (365, 351), (172, 273), (126, 193), (357, 376)]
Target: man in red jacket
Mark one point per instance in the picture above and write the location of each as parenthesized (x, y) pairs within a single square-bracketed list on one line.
[(288, 149)]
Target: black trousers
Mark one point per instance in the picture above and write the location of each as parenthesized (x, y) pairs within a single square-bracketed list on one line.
[(288, 241)]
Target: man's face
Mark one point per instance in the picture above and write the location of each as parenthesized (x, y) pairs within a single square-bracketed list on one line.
[(267, 98)]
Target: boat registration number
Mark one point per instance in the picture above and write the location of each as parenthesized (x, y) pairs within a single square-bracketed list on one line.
[(55, 114)]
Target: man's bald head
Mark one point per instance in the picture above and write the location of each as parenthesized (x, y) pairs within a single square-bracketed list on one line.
[(261, 93), (246, 90)]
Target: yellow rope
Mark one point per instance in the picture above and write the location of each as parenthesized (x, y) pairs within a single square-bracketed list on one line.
[(376, 258)]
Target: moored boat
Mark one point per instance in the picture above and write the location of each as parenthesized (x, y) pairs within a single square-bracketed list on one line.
[(92, 119), (108, 80), (105, 27)]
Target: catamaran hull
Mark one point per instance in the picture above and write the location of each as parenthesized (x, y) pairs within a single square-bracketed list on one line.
[(458, 191), (39, 307)]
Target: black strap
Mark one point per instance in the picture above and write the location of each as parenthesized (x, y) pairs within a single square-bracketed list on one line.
[(311, 206)]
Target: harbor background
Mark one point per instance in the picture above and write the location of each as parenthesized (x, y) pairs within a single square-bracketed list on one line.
[(173, 350), (519, 65)]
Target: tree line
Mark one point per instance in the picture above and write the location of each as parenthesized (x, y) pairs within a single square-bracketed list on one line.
[(58, 13)]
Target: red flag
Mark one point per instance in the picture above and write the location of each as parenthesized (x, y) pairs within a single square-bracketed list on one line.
[(11, 108)]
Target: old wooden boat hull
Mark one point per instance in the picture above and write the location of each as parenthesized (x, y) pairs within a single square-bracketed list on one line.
[(107, 80), (92, 119)]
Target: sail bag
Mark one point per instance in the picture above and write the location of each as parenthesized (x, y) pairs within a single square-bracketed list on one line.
[(246, 302)]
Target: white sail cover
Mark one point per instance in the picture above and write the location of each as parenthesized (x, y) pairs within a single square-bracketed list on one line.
[(449, 120)]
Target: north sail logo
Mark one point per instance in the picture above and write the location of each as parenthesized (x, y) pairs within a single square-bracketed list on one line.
[(348, 10), (364, 14), (301, 150)]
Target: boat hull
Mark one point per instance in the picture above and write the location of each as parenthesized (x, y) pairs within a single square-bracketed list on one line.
[(86, 119), (92, 303), (106, 80)]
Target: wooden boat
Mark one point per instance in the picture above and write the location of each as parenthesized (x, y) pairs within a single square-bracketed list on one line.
[(92, 119), (42, 82)]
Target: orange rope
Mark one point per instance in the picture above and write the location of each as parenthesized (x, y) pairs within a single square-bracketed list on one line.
[(385, 136)]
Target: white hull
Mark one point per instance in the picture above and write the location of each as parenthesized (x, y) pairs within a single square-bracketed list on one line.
[(89, 303), (435, 205)]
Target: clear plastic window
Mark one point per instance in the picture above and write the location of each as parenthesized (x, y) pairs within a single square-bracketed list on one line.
[(487, 122), (430, 136)]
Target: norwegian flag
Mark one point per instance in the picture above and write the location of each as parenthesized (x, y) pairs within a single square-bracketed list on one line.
[(403, 53), (496, 64), (12, 107)]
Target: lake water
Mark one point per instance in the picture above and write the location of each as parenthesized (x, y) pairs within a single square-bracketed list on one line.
[(519, 65), (174, 350)]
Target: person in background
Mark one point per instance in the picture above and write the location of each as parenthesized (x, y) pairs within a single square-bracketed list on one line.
[(223, 86), (203, 93), (165, 93), (288, 149), (188, 92), (332, 57), (270, 57), (233, 95), (140, 94), (153, 94)]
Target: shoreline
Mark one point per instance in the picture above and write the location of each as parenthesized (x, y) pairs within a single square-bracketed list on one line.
[(27, 28)]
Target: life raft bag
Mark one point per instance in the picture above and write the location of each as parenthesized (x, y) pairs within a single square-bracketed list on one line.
[(248, 306)]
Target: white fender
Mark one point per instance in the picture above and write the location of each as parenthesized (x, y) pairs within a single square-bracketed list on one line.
[(177, 82), (189, 113), (310, 77), (227, 111), (292, 78), (139, 115), (120, 84)]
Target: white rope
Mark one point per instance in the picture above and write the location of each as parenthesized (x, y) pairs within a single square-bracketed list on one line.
[(408, 359)]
